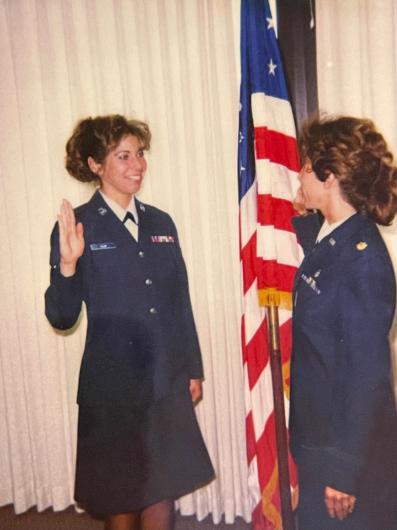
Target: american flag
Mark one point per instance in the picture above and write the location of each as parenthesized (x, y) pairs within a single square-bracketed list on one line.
[(268, 163)]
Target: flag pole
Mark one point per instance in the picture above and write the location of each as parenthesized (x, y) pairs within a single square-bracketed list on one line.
[(271, 299)]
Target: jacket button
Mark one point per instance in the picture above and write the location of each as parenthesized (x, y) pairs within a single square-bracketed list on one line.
[(141, 254), (148, 281), (153, 310)]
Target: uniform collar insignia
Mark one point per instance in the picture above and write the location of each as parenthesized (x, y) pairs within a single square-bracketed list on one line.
[(362, 245), (102, 211)]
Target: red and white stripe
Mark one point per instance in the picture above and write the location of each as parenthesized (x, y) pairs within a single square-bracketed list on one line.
[(269, 257)]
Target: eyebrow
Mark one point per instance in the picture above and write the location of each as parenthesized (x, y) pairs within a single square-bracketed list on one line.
[(128, 151)]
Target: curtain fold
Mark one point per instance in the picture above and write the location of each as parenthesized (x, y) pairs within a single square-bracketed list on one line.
[(357, 60), (357, 75), (170, 62)]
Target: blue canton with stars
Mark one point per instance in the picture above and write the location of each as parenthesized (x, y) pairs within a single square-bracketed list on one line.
[(261, 71)]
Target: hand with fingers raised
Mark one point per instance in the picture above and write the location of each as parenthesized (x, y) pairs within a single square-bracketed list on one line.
[(71, 239)]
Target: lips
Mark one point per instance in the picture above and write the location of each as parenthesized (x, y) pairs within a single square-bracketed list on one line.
[(136, 178)]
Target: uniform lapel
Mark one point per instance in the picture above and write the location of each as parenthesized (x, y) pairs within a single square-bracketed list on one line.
[(333, 243), (103, 223), (144, 222), (324, 253)]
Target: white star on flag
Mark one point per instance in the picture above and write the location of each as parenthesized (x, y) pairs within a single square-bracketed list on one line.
[(270, 23), (272, 67)]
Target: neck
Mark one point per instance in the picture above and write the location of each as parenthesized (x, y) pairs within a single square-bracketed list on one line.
[(337, 211), (121, 199)]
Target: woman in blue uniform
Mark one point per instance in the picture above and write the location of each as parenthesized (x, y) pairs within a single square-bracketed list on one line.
[(139, 444), (343, 416)]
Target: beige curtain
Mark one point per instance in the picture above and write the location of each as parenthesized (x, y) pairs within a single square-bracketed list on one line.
[(357, 73), (173, 63)]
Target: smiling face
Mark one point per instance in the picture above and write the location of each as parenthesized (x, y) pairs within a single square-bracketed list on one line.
[(122, 171)]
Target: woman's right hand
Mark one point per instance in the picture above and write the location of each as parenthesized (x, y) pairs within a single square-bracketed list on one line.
[(299, 203), (71, 239)]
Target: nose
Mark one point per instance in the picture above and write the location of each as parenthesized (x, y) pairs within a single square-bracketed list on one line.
[(137, 162)]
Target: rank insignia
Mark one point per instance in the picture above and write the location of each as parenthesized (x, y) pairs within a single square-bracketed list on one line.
[(102, 211), (362, 245)]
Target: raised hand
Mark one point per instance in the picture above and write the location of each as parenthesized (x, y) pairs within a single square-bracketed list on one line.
[(299, 203), (71, 239)]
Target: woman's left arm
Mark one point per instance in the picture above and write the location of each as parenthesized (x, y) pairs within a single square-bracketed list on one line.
[(362, 362)]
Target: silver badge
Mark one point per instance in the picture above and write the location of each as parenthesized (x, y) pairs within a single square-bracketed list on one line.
[(102, 211)]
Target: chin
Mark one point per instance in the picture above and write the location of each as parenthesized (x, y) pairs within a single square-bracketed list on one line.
[(132, 191)]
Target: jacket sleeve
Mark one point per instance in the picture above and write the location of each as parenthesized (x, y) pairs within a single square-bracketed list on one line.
[(362, 372), (64, 296), (306, 228), (193, 352)]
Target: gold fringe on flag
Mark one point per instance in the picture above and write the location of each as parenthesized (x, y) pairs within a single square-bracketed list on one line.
[(272, 297)]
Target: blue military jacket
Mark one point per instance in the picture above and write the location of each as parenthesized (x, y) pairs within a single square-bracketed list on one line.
[(341, 394), (141, 339)]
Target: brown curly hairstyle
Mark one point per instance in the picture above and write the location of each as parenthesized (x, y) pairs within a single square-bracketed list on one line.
[(95, 137), (357, 154)]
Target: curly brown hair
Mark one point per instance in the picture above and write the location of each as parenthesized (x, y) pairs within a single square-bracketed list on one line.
[(357, 154), (95, 137)]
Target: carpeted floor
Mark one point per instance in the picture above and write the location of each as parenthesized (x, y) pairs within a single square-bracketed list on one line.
[(71, 520)]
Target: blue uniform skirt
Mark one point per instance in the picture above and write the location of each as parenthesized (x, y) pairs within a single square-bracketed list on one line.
[(130, 458)]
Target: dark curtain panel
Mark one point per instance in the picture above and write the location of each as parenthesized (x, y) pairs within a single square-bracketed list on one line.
[(297, 40)]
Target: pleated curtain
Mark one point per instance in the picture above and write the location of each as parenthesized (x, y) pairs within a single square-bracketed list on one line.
[(174, 63), (357, 75)]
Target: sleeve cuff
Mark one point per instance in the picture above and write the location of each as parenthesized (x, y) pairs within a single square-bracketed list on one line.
[(341, 470)]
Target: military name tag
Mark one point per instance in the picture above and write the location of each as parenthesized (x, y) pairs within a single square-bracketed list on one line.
[(103, 246)]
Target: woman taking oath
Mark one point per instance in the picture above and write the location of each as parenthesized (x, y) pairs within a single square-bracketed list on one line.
[(139, 445), (343, 417)]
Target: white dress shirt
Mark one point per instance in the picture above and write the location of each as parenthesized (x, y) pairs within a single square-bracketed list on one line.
[(120, 212), (327, 228)]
